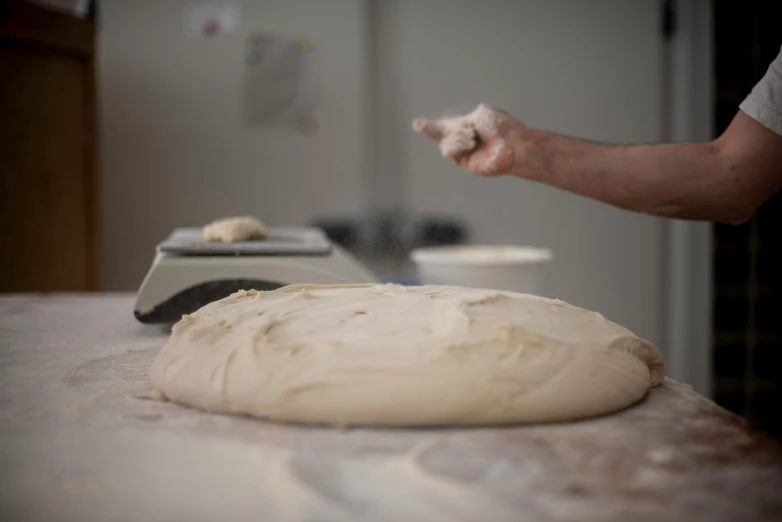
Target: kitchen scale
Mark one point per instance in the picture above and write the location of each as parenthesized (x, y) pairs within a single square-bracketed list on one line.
[(188, 272)]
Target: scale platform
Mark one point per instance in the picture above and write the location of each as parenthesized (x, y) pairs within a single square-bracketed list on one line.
[(188, 272)]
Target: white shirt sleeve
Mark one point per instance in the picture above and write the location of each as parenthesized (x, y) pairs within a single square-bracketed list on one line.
[(764, 103)]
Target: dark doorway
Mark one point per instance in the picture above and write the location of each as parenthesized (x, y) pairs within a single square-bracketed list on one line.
[(747, 260)]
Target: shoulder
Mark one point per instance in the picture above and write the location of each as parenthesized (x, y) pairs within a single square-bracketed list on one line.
[(764, 103)]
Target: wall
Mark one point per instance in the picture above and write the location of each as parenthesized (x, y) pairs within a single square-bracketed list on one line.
[(689, 342), (175, 149), (589, 69)]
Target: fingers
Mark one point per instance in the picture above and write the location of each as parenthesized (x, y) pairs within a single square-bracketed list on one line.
[(458, 142), (486, 121), (443, 127), (456, 136), (494, 158), (475, 141), (431, 129)]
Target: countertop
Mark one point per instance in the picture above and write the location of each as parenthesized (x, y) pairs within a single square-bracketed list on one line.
[(76, 444)]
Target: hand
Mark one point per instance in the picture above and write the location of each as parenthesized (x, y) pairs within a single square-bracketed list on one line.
[(483, 142)]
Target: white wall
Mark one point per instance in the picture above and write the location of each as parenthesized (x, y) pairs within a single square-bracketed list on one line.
[(589, 69), (175, 148), (176, 152), (689, 343)]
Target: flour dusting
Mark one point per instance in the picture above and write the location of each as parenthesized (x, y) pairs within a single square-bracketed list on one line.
[(462, 134)]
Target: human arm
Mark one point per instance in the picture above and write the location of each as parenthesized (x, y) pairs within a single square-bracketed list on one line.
[(725, 180)]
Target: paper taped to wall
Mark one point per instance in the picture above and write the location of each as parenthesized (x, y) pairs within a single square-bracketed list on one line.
[(208, 19), (281, 82)]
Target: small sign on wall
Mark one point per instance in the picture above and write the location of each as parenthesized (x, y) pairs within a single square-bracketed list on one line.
[(281, 82), (208, 19)]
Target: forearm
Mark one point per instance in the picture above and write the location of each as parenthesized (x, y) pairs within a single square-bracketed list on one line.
[(683, 180), (724, 180)]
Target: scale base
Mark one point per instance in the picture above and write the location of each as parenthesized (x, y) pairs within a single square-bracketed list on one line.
[(182, 281)]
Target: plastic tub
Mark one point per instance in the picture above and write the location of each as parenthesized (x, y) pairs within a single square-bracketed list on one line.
[(498, 267)]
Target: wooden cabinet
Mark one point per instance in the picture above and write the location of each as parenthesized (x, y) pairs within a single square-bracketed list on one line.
[(49, 221)]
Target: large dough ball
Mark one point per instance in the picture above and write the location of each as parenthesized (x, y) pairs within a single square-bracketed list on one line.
[(388, 355)]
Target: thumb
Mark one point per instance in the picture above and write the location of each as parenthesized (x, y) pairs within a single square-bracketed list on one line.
[(431, 129)]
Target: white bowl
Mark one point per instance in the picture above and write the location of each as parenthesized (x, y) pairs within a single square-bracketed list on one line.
[(498, 267)]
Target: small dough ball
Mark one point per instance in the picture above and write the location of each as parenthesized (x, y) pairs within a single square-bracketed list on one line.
[(233, 229)]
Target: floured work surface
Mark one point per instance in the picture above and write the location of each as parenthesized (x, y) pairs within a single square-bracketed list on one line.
[(75, 446)]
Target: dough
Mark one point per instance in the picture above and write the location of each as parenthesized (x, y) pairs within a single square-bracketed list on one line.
[(233, 229), (389, 355)]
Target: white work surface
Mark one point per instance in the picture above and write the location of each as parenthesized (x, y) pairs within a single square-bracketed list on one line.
[(76, 446)]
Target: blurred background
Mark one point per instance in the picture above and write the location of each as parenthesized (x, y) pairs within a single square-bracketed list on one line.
[(122, 120)]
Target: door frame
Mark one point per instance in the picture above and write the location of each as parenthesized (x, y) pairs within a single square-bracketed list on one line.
[(689, 251)]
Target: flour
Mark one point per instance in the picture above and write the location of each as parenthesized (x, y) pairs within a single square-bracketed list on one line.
[(459, 137), (111, 461), (463, 136)]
